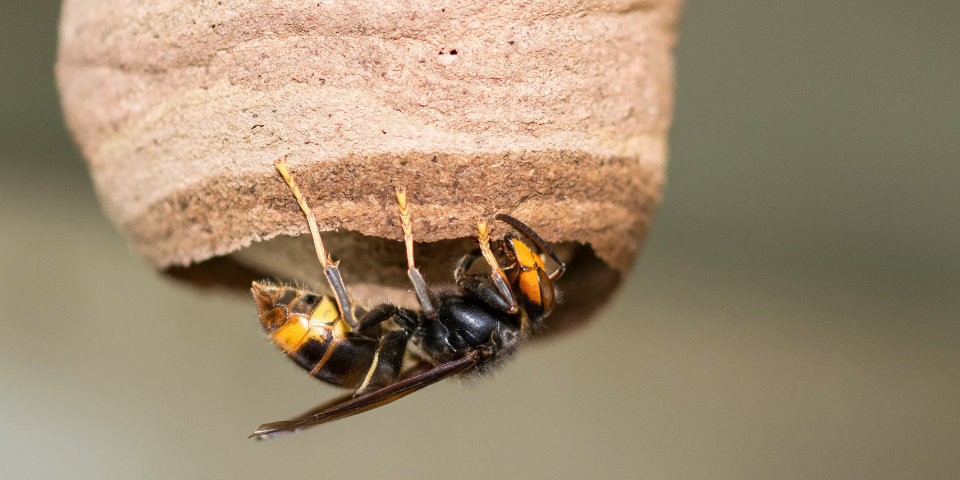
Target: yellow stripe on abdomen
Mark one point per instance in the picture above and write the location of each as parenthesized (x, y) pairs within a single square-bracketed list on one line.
[(326, 312), (292, 334)]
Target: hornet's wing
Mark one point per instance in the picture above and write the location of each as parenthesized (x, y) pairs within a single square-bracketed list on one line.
[(349, 405)]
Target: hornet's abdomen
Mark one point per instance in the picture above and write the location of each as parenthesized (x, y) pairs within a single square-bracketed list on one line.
[(309, 329)]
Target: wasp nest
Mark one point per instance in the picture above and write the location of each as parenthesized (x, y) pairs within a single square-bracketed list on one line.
[(555, 112)]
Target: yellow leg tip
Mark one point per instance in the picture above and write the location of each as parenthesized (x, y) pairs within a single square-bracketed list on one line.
[(482, 231), (284, 172)]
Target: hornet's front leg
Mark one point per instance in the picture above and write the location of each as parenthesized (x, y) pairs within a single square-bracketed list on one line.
[(497, 274), (480, 285)]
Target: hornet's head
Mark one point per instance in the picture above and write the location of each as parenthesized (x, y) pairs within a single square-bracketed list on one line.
[(528, 278), (526, 273)]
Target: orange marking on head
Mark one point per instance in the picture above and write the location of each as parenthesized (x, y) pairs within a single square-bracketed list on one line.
[(529, 263)]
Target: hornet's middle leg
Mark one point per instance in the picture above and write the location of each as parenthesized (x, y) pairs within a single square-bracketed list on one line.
[(419, 284)]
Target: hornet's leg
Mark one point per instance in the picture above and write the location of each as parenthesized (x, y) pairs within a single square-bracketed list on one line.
[(478, 284), (329, 266), (419, 284), (391, 346), (496, 271), (387, 361), (405, 319)]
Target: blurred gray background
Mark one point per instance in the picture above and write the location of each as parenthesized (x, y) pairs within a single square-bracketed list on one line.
[(794, 315)]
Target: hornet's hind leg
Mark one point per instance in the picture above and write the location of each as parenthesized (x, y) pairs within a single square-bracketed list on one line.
[(391, 345), (329, 266)]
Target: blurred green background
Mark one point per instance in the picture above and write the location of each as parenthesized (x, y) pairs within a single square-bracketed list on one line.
[(794, 315)]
